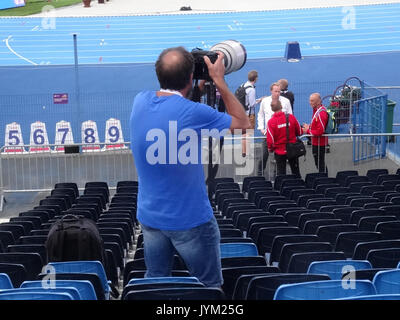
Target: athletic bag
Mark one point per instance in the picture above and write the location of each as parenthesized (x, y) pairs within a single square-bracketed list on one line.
[(240, 94), (74, 238), (294, 150)]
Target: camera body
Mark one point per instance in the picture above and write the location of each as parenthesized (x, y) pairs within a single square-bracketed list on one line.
[(234, 58), (200, 68)]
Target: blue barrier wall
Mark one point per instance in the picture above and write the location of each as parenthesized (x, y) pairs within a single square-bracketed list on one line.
[(99, 92)]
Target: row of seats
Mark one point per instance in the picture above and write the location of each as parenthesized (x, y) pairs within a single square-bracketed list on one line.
[(22, 240), (294, 222)]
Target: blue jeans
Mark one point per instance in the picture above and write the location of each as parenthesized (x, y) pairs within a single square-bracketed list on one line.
[(199, 248)]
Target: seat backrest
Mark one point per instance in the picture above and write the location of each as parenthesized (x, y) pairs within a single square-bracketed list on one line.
[(373, 174), (84, 287), (5, 281), (355, 178), (238, 250), (31, 261), (384, 258), (335, 269), (193, 293), (299, 262), (263, 287), (342, 175), (231, 275), (369, 223), (347, 241), (311, 226), (389, 230), (324, 290), (280, 178), (247, 180), (16, 272), (291, 248), (310, 177), (280, 241), (356, 215), (387, 282), (24, 295), (362, 249), (330, 233), (267, 235), (243, 261), (82, 267)]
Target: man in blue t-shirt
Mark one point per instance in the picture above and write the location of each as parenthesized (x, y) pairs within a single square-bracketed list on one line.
[(166, 130)]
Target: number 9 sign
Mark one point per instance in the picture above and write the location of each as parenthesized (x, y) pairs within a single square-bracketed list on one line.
[(114, 137)]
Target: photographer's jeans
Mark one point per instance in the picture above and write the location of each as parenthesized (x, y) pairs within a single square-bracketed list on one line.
[(199, 248)]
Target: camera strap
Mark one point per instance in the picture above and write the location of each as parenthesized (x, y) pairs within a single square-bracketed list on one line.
[(171, 91)]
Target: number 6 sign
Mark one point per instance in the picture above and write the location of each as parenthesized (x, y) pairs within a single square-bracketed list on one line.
[(38, 139)]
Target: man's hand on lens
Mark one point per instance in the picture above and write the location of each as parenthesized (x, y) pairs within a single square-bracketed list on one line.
[(216, 70)]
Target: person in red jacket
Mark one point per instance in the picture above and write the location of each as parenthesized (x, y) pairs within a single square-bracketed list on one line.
[(316, 129), (277, 138)]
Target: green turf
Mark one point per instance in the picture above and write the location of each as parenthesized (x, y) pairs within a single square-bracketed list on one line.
[(35, 6)]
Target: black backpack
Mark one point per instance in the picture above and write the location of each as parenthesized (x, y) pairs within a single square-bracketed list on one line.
[(74, 238), (240, 94)]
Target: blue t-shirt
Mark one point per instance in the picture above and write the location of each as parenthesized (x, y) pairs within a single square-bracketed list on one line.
[(166, 145)]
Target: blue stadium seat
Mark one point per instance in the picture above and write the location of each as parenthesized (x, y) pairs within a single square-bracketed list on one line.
[(5, 281), (84, 287), (83, 267), (387, 282), (238, 250), (35, 296), (334, 269), (324, 290)]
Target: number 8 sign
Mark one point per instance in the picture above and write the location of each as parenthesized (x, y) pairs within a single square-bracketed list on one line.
[(90, 137)]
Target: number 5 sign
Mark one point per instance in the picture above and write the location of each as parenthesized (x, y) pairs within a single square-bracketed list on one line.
[(13, 139)]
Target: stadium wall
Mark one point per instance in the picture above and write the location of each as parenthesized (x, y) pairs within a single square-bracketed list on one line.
[(100, 92)]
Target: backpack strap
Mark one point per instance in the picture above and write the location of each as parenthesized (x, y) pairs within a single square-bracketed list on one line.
[(287, 127)]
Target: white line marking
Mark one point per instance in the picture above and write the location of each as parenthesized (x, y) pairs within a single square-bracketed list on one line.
[(17, 54)]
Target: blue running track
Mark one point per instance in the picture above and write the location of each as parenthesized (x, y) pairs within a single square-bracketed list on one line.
[(139, 39)]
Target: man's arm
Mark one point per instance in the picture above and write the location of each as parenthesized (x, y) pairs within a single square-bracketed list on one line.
[(233, 107), (286, 106), (261, 118), (252, 97)]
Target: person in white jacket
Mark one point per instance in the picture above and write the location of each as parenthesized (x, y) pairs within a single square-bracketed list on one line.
[(264, 114)]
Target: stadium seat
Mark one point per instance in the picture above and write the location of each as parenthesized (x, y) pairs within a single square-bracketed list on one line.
[(193, 293), (387, 282), (5, 281), (362, 249), (291, 248), (389, 230), (324, 290), (299, 262), (267, 235), (373, 174), (35, 296), (83, 267), (336, 269), (384, 258), (84, 287), (264, 287), (231, 275), (238, 250), (347, 241)]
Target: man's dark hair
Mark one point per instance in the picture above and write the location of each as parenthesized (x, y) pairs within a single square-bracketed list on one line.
[(174, 67)]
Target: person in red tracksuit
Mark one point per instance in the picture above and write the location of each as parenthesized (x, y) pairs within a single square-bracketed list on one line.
[(317, 128), (277, 138)]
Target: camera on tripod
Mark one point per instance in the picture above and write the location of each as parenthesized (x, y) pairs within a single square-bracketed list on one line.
[(234, 58)]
